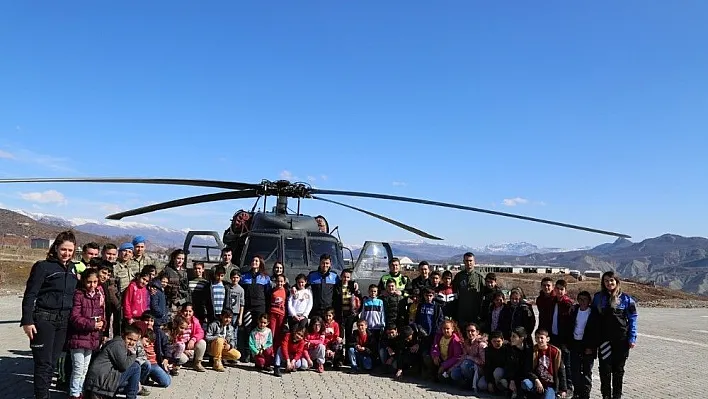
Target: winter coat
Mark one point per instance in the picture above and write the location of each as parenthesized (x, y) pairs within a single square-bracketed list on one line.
[(82, 332), (107, 366), (136, 300), (158, 304), (454, 350)]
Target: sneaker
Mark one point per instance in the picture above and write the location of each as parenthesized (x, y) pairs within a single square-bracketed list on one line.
[(198, 367), (320, 368), (144, 392), (276, 372)]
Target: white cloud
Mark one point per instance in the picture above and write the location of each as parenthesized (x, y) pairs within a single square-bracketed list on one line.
[(6, 155), (286, 175), (399, 183), (311, 179), (45, 197), (24, 155), (514, 201), (324, 177)]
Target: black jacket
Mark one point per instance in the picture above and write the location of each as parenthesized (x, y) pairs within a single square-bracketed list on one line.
[(204, 302), (395, 309), (50, 287)]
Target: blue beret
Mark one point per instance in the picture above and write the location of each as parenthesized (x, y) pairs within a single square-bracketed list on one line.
[(125, 246), (138, 240)]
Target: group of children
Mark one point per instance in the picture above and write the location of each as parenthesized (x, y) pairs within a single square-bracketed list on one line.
[(402, 330)]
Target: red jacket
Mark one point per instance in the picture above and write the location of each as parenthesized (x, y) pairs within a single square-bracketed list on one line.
[(292, 350), (545, 304), (135, 301), (82, 333), (331, 332), (278, 301)]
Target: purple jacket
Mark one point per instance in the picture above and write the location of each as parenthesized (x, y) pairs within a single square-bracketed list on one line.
[(454, 350), (82, 333)]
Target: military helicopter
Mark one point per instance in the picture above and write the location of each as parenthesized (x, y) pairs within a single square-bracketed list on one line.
[(294, 238)]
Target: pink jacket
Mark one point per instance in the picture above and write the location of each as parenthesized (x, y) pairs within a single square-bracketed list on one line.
[(135, 301), (197, 331), (454, 350), (475, 350)]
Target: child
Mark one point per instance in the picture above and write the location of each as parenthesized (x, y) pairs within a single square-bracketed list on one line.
[(582, 349), (155, 345), (469, 369), (545, 302), (221, 340), (136, 299), (561, 327), (315, 344), (195, 346), (490, 287), (390, 341), (372, 310), (394, 305), (86, 323), (363, 348), (196, 285), (616, 333), (333, 339), (496, 315), (158, 302), (428, 318), (214, 298), (414, 299), (408, 351), (300, 302), (446, 349), (260, 343), (237, 304), (114, 368), (495, 359), (292, 351), (177, 332), (519, 361), (520, 315), (347, 301), (445, 295), (547, 376), (276, 315)]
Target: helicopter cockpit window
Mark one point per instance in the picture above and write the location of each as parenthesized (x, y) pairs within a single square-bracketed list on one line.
[(319, 247), (295, 253), (374, 259), (266, 246)]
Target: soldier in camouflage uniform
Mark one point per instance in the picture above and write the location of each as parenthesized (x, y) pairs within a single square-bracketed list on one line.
[(141, 257)]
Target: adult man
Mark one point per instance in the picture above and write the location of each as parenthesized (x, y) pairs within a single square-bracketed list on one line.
[(394, 273), (88, 252), (322, 283), (140, 257), (423, 279), (468, 284), (125, 268), (226, 257)]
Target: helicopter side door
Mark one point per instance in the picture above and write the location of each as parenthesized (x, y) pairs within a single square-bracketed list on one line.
[(371, 264)]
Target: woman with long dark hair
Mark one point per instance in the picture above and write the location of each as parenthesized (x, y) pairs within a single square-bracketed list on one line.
[(46, 308), (177, 291), (257, 289), (616, 333)]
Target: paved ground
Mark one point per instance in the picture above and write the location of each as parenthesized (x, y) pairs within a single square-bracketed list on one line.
[(668, 362)]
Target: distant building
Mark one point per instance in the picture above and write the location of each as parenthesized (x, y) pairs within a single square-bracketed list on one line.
[(541, 269), (40, 243)]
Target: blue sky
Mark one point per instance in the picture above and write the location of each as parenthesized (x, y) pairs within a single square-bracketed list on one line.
[(588, 114)]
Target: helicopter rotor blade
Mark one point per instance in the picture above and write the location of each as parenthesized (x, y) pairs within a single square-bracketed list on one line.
[(463, 207), (384, 218), (199, 199), (179, 182)]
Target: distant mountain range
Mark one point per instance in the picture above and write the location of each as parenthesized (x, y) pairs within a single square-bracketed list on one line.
[(669, 260)]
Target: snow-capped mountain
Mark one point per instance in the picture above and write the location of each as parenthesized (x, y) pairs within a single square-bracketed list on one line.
[(114, 228), (434, 251), (414, 249)]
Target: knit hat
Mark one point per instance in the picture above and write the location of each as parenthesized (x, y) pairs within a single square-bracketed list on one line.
[(126, 245), (138, 240)]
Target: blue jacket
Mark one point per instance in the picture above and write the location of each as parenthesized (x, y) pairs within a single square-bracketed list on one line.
[(428, 317), (322, 286), (372, 310), (618, 323), (158, 304)]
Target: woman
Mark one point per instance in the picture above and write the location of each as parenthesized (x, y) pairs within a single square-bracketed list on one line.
[(257, 289), (177, 291), (617, 333), (46, 308)]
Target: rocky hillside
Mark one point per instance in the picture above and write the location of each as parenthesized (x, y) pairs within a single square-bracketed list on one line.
[(19, 229), (669, 260)]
